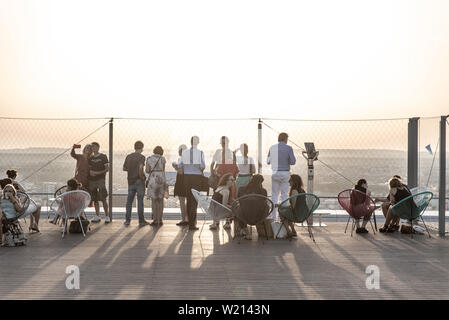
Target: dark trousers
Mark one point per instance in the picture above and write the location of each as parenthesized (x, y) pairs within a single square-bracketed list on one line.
[(191, 181)]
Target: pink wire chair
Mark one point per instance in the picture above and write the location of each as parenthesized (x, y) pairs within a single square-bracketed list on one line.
[(357, 204)]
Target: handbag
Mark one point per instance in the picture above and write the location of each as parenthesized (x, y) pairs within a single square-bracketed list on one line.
[(275, 225), (76, 228), (151, 171)]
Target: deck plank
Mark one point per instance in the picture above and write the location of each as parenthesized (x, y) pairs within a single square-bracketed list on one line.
[(118, 262)]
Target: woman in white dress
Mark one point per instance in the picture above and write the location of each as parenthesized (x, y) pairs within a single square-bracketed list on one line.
[(157, 186)]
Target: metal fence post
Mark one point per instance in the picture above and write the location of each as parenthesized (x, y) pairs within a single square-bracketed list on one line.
[(442, 187), (412, 153), (111, 162), (259, 149)]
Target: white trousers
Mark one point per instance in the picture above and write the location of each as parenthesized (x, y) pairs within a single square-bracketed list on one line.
[(279, 184)]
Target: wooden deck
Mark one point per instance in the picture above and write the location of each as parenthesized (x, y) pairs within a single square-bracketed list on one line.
[(118, 262)]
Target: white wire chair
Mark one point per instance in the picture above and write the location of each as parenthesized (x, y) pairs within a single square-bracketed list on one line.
[(71, 204), (210, 207)]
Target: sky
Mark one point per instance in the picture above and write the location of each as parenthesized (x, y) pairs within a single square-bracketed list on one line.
[(224, 59)]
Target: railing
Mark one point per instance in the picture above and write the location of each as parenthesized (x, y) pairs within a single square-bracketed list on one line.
[(349, 150)]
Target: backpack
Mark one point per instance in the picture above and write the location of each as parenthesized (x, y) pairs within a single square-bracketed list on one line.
[(76, 228)]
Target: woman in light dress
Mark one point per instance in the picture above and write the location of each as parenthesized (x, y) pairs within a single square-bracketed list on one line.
[(157, 186)]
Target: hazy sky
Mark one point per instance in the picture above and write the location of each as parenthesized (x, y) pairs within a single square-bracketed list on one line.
[(286, 59)]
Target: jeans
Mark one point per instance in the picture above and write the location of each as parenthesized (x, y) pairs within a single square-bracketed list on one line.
[(139, 188), (279, 183)]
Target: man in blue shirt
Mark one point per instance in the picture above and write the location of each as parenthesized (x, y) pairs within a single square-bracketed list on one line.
[(280, 157), (193, 165)]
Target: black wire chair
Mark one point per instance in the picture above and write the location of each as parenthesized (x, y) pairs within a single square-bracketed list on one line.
[(252, 209)]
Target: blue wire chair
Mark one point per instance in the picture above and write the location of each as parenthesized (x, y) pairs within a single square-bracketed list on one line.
[(305, 205), (413, 207)]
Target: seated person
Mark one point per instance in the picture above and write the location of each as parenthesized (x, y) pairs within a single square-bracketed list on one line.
[(72, 185), (296, 187), (386, 203), (35, 215), (360, 203), (222, 195), (9, 206), (254, 186), (397, 193)]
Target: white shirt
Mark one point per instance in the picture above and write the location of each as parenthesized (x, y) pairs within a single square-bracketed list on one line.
[(217, 158), (244, 169)]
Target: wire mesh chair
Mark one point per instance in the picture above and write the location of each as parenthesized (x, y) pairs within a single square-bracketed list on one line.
[(252, 209), (13, 224), (57, 193), (357, 204), (413, 208), (71, 205), (305, 206), (210, 207)]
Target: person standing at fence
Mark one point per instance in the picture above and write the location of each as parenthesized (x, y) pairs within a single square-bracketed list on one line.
[(224, 162), (82, 165), (134, 164), (157, 185), (281, 157), (246, 167), (36, 214), (180, 191), (193, 165), (99, 166)]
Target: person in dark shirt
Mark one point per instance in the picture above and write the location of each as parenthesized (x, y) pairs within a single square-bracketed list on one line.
[(360, 203), (134, 165), (397, 193), (386, 204), (99, 166)]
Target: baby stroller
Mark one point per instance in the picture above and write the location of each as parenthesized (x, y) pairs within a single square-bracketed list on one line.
[(12, 230)]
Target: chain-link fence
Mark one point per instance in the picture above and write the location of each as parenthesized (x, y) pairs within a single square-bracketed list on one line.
[(429, 163), (348, 150)]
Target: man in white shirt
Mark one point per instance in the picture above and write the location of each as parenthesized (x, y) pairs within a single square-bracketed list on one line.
[(193, 165), (281, 157)]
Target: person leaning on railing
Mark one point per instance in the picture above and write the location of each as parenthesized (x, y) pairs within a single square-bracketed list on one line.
[(398, 192), (36, 214)]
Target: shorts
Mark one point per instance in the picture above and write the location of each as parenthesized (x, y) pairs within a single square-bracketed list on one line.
[(97, 190)]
